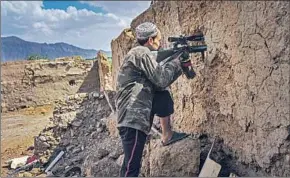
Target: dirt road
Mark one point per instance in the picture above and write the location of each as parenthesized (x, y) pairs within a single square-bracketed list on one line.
[(18, 130)]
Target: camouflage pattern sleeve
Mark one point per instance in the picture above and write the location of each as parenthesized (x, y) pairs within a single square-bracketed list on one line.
[(160, 75)]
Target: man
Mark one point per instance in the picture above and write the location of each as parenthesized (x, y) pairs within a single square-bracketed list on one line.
[(138, 79)]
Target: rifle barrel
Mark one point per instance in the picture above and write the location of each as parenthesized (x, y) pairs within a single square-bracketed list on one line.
[(196, 49)]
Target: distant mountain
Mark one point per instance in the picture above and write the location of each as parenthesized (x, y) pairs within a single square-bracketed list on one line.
[(14, 48)]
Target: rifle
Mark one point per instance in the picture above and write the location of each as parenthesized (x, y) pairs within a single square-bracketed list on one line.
[(180, 45)]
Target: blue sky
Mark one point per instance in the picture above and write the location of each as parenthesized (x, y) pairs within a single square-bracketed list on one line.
[(87, 24), (63, 5)]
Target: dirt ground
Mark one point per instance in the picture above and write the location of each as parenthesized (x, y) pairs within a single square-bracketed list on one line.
[(18, 130)]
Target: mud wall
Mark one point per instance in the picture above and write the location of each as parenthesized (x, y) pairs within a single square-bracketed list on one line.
[(120, 46), (34, 83), (241, 92), (105, 72)]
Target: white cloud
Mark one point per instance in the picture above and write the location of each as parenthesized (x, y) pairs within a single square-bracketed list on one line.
[(129, 9), (87, 29)]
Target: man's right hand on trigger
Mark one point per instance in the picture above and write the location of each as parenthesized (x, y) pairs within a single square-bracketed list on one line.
[(184, 59)]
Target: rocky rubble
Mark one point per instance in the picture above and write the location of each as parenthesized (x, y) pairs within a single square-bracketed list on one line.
[(79, 127), (76, 126)]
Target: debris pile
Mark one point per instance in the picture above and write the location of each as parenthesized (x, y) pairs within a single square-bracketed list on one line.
[(78, 128), (77, 142), (82, 141), (25, 166)]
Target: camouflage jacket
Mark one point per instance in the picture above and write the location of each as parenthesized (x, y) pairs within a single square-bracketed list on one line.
[(138, 78)]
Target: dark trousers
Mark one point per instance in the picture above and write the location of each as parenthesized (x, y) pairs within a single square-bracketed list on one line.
[(134, 140), (133, 145)]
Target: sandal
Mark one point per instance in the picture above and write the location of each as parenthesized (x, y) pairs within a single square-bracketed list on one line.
[(175, 137)]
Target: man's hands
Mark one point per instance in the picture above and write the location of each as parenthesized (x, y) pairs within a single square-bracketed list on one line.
[(184, 59), (186, 65)]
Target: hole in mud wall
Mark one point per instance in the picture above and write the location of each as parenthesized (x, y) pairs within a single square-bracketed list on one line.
[(72, 82), (226, 46), (23, 107), (288, 129)]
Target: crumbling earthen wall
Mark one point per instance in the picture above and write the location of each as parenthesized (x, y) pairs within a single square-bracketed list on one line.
[(241, 91), (105, 72), (119, 50), (33, 83)]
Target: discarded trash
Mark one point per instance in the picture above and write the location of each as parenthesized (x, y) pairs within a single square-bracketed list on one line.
[(17, 162), (210, 167), (31, 159), (26, 167), (54, 161)]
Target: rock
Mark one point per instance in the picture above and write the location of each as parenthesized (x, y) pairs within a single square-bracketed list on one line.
[(40, 146), (42, 138), (68, 148), (120, 160), (101, 153), (111, 124), (181, 159), (43, 160), (77, 123), (46, 144), (83, 95), (91, 128), (26, 174), (57, 170), (96, 94), (105, 168), (94, 135), (65, 142), (100, 129), (35, 171), (102, 96), (116, 154), (99, 125), (88, 162), (76, 150), (76, 160)]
